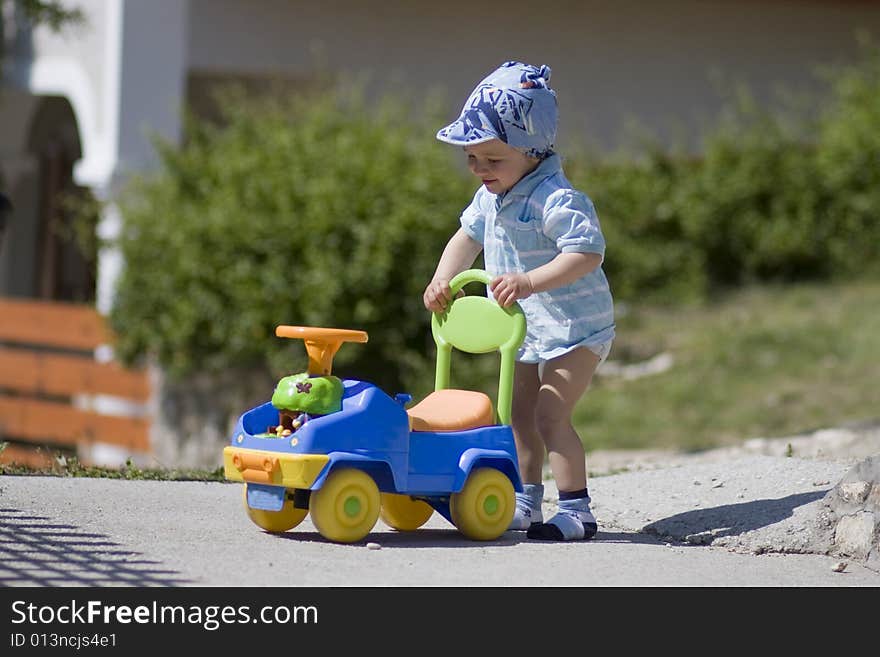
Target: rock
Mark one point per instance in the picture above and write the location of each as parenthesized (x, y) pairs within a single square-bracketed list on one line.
[(656, 365), (374, 546), (856, 491), (848, 523), (839, 567), (703, 538), (873, 500), (854, 534)]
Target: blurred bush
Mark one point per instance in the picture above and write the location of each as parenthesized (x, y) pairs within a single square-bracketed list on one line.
[(333, 211), (847, 158), (320, 211), (773, 196)]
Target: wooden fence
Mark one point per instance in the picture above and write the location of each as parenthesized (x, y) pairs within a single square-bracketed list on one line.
[(54, 393)]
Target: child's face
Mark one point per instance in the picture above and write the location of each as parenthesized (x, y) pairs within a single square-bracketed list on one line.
[(498, 165)]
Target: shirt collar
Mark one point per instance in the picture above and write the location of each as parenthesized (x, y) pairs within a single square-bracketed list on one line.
[(526, 185)]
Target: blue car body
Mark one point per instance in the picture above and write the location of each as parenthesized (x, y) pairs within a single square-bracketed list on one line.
[(371, 432)]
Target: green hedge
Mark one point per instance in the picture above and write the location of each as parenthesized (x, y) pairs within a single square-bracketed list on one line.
[(774, 196), (326, 212), (333, 212)]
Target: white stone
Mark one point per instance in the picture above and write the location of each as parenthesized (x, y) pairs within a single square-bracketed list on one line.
[(856, 491), (854, 534)]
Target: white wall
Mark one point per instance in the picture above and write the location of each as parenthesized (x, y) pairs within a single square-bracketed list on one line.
[(611, 60), (79, 63)]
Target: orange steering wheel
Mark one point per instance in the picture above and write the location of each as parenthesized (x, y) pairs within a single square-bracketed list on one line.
[(321, 344)]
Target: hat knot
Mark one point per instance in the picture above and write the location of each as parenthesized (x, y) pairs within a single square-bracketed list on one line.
[(536, 78)]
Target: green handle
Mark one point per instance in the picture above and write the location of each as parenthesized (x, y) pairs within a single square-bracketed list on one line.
[(478, 325), (468, 276)]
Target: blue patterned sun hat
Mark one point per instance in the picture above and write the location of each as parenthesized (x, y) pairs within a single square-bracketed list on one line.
[(514, 104)]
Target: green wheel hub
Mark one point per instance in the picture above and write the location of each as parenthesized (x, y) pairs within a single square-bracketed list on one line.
[(490, 505), (352, 506)]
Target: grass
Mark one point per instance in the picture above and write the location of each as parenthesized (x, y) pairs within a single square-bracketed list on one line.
[(70, 466), (769, 361)]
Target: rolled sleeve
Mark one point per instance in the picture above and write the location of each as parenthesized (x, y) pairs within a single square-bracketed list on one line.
[(571, 222), (473, 219)]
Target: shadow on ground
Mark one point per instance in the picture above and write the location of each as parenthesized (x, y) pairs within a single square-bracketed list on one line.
[(419, 538), (452, 538), (37, 551), (706, 525)]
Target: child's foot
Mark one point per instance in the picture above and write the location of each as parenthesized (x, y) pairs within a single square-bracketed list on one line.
[(563, 527), (528, 508), (573, 522)]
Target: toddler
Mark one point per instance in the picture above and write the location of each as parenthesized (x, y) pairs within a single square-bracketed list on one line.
[(542, 242)]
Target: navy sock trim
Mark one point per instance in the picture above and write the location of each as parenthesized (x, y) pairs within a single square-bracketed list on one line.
[(573, 494), (545, 532)]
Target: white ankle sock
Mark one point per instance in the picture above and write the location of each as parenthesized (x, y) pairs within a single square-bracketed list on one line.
[(528, 507), (573, 522)]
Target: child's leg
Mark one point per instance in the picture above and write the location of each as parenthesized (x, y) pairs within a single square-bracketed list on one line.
[(529, 447), (564, 380)]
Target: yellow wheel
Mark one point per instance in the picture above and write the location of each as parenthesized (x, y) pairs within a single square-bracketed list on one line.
[(483, 509), (403, 513), (346, 507), (276, 521)]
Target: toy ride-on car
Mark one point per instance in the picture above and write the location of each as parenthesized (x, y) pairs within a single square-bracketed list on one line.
[(347, 453)]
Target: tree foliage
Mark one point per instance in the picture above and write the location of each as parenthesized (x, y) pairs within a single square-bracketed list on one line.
[(52, 13)]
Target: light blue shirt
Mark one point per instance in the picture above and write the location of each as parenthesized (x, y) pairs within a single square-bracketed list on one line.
[(526, 227)]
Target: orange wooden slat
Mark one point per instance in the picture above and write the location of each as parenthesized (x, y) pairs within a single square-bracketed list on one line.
[(52, 422), (52, 323), (31, 456), (35, 372)]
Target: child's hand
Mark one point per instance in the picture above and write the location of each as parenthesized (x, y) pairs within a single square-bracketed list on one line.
[(437, 295), (507, 288)]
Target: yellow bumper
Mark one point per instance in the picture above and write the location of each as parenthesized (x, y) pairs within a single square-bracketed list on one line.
[(259, 467)]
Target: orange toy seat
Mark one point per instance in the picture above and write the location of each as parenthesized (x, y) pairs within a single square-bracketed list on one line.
[(452, 410)]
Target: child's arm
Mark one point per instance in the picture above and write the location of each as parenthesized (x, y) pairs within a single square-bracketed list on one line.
[(459, 254), (565, 268)]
